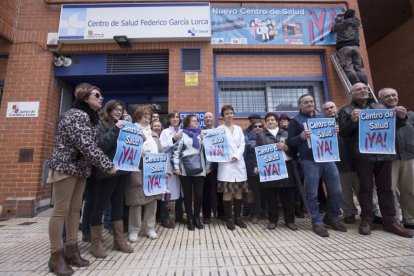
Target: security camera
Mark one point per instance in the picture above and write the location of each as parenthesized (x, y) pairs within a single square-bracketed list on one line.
[(62, 61)]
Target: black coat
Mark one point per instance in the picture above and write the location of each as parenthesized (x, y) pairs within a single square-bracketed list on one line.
[(266, 138)]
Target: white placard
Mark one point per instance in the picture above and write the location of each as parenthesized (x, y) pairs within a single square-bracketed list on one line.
[(144, 22), (22, 109)]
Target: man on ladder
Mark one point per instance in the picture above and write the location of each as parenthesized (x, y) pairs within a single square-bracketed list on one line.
[(347, 44)]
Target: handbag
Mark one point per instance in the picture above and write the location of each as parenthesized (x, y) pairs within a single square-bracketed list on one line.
[(192, 164)]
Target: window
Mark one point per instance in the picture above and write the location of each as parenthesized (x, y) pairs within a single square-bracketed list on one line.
[(268, 96), (190, 59)]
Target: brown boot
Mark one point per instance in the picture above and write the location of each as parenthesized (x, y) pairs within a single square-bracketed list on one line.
[(396, 229), (73, 257), (119, 238), (58, 265), (96, 242)]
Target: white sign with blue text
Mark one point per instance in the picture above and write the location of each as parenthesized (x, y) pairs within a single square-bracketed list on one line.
[(144, 22)]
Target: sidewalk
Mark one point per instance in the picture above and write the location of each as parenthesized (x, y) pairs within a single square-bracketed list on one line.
[(24, 250)]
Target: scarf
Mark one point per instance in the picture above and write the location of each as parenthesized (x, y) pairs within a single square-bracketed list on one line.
[(193, 133), (84, 106)]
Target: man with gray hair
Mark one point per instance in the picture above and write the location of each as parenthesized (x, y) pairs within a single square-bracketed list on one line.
[(370, 167), (403, 166)]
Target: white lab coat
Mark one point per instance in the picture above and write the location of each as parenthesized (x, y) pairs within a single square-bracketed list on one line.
[(233, 171), (173, 182)]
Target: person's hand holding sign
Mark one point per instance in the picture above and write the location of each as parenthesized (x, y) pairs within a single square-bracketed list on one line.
[(355, 115)]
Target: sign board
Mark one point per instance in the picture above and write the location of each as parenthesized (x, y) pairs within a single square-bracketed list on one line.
[(199, 115), (191, 78), (22, 109), (155, 172), (377, 131), (145, 22), (270, 163), (216, 146), (324, 139), (128, 148), (258, 25)]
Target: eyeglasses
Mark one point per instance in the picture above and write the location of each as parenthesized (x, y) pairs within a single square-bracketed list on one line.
[(97, 95), (257, 126)]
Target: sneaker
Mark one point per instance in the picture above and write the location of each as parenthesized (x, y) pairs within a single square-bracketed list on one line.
[(365, 227), (271, 226), (133, 237), (350, 219), (151, 234), (335, 225), (320, 230), (292, 226), (396, 229)]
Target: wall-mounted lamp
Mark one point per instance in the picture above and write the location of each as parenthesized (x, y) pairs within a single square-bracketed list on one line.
[(62, 61), (122, 41)]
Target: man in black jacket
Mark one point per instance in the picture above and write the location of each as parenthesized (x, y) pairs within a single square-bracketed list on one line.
[(347, 44), (403, 166), (370, 167)]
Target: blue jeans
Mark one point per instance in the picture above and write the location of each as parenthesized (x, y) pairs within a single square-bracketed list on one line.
[(313, 172)]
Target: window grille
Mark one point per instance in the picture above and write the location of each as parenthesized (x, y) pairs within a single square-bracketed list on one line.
[(268, 96)]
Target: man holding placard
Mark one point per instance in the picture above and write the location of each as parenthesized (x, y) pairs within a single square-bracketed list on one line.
[(299, 138), (403, 166), (370, 130)]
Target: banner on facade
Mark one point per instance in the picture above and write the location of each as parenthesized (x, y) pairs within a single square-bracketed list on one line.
[(155, 172), (377, 131), (260, 25), (215, 145), (324, 139), (270, 163), (145, 22), (128, 148)]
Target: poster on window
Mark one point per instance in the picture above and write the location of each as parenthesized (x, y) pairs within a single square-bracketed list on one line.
[(377, 131), (128, 148), (216, 146), (324, 139), (270, 163), (253, 25), (155, 171)]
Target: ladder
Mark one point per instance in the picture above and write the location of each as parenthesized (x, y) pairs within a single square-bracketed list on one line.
[(344, 79)]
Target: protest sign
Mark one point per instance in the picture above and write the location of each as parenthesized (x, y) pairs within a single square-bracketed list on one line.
[(377, 131), (270, 163), (215, 145), (128, 148), (155, 170), (324, 139)]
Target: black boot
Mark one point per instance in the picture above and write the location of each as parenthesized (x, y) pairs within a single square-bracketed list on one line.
[(197, 223), (237, 203), (228, 210)]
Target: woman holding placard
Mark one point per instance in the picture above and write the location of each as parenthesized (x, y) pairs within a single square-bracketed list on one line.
[(232, 175), (283, 188), (135, 196), (74, 153), (191, 166), (109, 189)]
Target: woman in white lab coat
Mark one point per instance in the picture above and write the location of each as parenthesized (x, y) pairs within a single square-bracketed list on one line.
[(232, 175)]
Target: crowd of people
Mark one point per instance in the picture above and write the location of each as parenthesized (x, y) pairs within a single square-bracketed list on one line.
[(81, 170)]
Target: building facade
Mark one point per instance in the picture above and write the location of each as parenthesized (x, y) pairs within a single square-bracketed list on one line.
[(243, 63)]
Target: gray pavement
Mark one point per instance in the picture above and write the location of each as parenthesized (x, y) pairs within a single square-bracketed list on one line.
[(24, 250)]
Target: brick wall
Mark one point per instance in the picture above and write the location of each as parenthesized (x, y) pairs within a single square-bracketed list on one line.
[(8, 18), (29, 77), (392, 62)]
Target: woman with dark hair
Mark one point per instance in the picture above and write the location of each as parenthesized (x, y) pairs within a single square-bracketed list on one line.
[(232, 175), (74, 153), (135, 198), (284, 188), (109, 188), (168, 138), (190, 143)]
